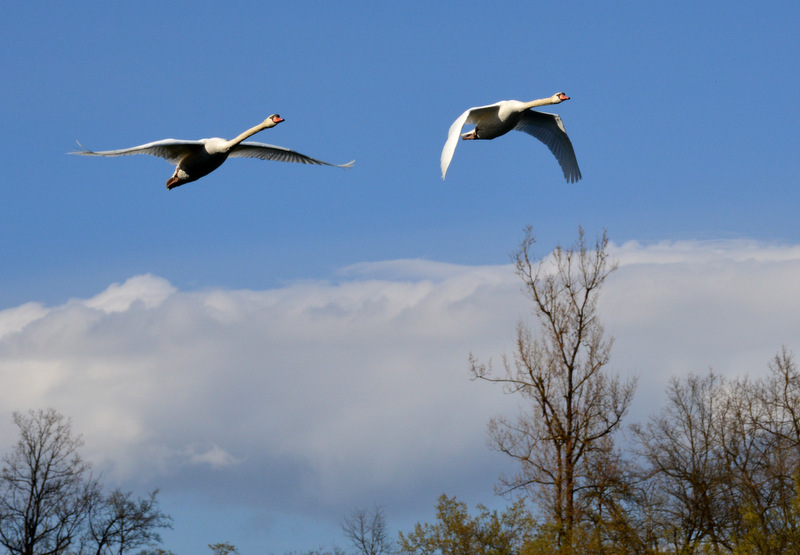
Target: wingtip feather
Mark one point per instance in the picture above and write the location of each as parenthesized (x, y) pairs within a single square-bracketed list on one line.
[(83, 151)]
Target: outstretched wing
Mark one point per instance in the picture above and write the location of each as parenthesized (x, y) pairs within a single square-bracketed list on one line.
[(271, 152), (549, 129), (172, 150), (470, 116)]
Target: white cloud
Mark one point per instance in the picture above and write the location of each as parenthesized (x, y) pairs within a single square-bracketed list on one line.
[(703, 252), (214, 456), (338, 394), (147, 289), (361, 382), (683, 307), (14, 319)]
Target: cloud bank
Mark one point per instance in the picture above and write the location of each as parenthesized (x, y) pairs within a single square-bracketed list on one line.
[(322, 396)]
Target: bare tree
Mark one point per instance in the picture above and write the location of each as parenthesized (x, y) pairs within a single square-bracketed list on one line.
[(46, 488), (684, 456), (781, 395), (767, 459), (120, 523), (722, 464), (368, 532), (573, 404)]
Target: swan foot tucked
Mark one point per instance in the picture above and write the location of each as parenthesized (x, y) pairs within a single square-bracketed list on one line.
[(471, 136), (173, 182)]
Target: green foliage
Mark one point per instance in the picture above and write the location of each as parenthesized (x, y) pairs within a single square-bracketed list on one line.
[(223, 548), (320, 551), (513, 531), (457, 533), (758, 533)]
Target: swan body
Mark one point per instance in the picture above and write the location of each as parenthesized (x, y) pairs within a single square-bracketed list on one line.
[(195, 159), (497, 119)]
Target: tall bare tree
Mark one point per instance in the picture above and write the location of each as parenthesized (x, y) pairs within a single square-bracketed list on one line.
[(573, 405), (683, 451), (722, 459), (763, 448), (120, 523), (367, 531), (46, 488)]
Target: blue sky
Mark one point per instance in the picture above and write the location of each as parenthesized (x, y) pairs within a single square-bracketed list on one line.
[(684, 119)]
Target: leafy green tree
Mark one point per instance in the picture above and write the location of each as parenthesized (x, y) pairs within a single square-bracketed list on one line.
[(223, 548), (320, 551), (455, 532)]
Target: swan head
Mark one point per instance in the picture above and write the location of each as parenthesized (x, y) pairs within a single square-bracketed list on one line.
[(559, 97), (272, 121)]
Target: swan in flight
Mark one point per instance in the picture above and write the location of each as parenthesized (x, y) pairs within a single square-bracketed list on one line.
[(194, 159), (498, 119)]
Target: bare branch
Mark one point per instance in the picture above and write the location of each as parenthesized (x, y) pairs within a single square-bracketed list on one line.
[(574, 405)]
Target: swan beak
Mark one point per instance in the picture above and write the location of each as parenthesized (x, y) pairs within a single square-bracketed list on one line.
[(563, 97), (278, 119)]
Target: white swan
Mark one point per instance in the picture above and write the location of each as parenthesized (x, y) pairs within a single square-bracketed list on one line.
[(498, 119), (195, 159)]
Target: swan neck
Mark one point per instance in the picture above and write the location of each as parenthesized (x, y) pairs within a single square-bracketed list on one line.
[(249, 133), (539, 102)]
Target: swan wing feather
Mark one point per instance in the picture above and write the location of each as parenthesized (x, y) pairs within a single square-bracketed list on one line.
[(172, 150), (473, 115), (549, 129), (264, 151)]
